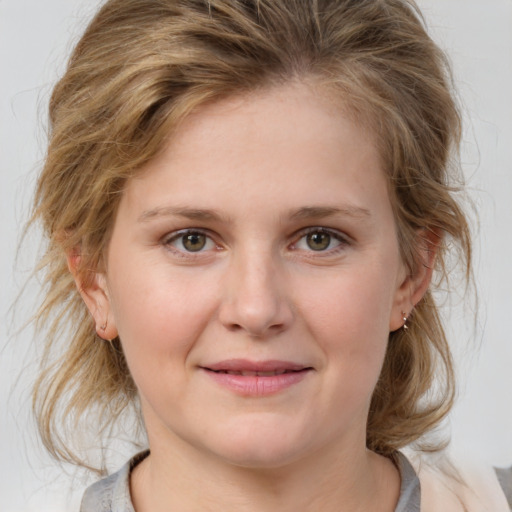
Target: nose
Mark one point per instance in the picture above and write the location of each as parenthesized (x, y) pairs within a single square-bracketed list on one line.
[(255, 298)]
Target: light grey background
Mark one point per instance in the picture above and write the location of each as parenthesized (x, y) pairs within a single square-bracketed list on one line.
[(36, 36)]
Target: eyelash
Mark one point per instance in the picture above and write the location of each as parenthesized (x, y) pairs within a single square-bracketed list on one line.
[(168, 240), (343, 240), (179, 236)]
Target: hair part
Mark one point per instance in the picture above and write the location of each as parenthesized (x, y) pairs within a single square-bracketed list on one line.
[(140, 68)]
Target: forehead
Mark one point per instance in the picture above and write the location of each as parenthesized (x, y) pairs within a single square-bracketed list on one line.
[(290, 138), (293, 116)]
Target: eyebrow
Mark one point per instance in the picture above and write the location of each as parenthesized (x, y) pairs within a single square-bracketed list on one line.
[(304, 213), (185, 212), (321, 212)]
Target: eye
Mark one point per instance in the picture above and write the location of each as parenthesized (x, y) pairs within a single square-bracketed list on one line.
[(190, 241), (320, 240)]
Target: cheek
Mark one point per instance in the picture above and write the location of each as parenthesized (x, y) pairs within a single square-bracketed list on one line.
[(349, 319), (158, 316), (355, 306)]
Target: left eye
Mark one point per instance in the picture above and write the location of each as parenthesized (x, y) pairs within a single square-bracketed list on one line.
[(319, 240), (191, 241)]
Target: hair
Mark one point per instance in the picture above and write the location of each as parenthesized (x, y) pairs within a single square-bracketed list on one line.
[(139, 69)]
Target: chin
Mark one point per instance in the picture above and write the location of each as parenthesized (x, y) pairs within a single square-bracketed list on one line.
[(260, 457), (259, 446)]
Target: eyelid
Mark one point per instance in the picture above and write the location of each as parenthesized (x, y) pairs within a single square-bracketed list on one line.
[(342, 238), (168, 238)]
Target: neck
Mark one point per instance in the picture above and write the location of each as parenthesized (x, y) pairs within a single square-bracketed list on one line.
[(351, 480)]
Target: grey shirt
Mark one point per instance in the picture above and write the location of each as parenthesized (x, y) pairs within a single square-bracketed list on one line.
[(112, 494), (505, 480)]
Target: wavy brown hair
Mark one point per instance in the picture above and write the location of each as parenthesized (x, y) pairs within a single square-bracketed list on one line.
[(138, 70)]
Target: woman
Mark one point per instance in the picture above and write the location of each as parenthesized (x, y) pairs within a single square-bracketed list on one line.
[(246, 202)]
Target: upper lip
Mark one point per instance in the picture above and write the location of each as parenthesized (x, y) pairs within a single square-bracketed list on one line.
[(244, 365)]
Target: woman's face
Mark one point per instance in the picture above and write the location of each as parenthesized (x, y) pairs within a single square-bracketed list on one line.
[(253, 278)]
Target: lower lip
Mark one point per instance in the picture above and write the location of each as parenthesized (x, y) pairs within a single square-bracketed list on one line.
[(255, 385)]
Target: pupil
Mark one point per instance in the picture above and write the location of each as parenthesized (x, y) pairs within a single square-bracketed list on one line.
[(194, 242), (318, 241)]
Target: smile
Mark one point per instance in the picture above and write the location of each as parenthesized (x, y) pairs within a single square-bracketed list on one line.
[(246, 373), (256, 379)]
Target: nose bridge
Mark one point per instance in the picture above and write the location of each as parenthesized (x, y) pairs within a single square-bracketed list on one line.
[(255, 297)]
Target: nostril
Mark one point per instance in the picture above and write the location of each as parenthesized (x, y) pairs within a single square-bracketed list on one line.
[(256, 303), (256, 331), (233, 327)]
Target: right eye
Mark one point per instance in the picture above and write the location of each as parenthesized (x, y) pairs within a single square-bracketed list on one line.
[(190, 241)]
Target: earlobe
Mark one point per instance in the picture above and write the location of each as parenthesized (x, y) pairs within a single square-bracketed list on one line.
[(416, 283), (93, 289)]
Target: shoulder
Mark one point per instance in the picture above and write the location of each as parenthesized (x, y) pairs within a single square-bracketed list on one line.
[(112, 494), (457, 485), (505, 479), (410, 494)]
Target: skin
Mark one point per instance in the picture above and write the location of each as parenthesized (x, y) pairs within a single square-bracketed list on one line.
[(256, 175)]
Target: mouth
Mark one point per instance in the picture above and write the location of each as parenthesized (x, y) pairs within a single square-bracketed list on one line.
[(248, 373), (248, 378), (248, 368)]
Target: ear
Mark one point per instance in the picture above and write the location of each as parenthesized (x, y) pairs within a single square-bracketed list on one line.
[(94, 292), (414, 286)]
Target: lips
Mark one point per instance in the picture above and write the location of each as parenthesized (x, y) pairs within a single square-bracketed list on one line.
[(251, 368), (244, 365), (247, 373), (256, 378)]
